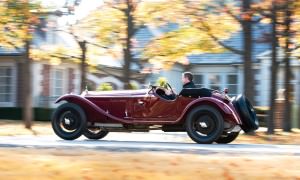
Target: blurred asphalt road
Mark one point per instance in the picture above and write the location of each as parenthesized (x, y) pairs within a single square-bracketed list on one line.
[(154, 141)]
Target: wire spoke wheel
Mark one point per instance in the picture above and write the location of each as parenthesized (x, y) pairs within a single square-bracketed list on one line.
[(95, 133), (204, 124), (68, 121), (228, 138)]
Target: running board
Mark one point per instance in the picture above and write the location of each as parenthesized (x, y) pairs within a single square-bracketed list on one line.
[(109, 125)]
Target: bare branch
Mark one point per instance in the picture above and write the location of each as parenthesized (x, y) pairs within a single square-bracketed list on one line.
[(234, 16), (217, 40), (11, 43), (98, 45), (65, 56), (114, 6), (232, 49), (230, 13), (77, 39), (295, 48), (69, 32), (138, 27)]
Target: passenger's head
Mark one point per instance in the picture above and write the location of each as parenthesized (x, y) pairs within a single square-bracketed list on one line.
[(187, 77)]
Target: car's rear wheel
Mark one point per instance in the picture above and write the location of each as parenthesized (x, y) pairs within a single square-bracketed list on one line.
[(228, 138), (69, 121), (204, 124), (95, 133)]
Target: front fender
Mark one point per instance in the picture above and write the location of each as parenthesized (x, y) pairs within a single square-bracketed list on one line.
[(226, 110), (92, 111), (68, 97)]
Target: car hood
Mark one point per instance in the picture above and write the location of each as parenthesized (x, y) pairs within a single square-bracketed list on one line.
[(115, 93)]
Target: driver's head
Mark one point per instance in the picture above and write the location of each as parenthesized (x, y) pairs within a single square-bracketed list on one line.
[(187, 77)]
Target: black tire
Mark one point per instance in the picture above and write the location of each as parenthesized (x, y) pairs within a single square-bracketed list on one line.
[(204, 124), (68, 121), (95, 133), (246, 112), (227, 139)]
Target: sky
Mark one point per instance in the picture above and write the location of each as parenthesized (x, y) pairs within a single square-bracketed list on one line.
[(84, 8)]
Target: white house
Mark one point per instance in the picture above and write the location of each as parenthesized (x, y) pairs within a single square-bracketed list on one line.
[(217, 71), (230, 75), (223, 70), (48, 81)]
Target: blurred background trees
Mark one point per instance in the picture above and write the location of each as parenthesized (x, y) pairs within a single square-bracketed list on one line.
[(105, 87), (196, 33), (203, 27), (17, 21), (282, 15), (116, 23), (200, 27)]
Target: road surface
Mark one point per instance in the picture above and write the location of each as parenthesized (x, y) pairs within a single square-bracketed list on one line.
[(157, 142)]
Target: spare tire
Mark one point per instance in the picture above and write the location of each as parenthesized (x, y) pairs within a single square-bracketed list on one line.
[(246, 112)]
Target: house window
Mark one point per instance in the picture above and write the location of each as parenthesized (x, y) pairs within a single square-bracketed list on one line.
[(198, 80), (5, 84), (257, 78), (57, 82), (293, 83), (214, 81), (232, 84)]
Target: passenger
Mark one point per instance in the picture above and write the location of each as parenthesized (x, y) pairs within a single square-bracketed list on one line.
[(187, 80)]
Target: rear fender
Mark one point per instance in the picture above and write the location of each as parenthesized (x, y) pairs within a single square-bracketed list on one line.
[(227, 112)]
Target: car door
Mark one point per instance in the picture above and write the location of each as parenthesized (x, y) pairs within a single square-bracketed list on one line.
[(154, 108)]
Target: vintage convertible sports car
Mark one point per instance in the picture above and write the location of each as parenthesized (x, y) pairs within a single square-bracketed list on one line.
[(206, 115)]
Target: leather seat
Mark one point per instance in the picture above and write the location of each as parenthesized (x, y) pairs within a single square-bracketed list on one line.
[(196, 92)]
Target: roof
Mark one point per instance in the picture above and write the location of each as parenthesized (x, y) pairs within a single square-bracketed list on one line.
[(103, 71), (146, 34), (10, 52)]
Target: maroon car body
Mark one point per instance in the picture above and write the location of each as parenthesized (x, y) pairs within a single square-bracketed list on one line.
[(141, 107), (144, 110)]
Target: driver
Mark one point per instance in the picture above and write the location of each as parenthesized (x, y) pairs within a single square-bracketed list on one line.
[(187, 80), (168, 94), (165, 92)]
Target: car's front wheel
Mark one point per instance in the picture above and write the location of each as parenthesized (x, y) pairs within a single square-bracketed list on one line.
[(95, 133), (69, 121), (228, 138), (204, 124)]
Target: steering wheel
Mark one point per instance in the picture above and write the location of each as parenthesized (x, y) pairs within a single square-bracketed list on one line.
[(152, 88), (169, 87)]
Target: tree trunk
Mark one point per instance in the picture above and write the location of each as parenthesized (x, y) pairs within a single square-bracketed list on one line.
[(27, 103), (127, 54), (247, 33), (83, 65), (298, 104), (274, 68), (287, 77), (126, 69)]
